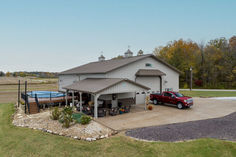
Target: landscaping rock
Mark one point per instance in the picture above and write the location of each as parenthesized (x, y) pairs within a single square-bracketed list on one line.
[(42, 121), (61, 134), (93, 139), (89, 139), (49, 131)]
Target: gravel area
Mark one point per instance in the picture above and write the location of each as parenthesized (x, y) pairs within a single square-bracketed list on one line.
[(219, 128), (42, 121)]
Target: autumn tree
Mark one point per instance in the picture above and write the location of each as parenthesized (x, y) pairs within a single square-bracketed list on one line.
[(8, 74), (213, 63), (181, 54)]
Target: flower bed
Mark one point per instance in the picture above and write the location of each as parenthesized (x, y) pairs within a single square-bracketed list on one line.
[(42, 121)]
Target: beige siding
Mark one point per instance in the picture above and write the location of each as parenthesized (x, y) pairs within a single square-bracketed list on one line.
[(152, 82), (119, 96), (82, 77), (65, 80), (123, 87), (171, 80)]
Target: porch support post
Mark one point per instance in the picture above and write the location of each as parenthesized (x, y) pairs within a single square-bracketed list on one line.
[(96, 96), (66, 97), (160, 84), (80, 101), (146, 100), (73, 98)]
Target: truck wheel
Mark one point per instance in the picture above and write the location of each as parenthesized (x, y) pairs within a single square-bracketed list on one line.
[(155, 102), (180, 105)]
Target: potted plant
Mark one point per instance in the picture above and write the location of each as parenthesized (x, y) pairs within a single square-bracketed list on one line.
[(121, 110), (150, 107)]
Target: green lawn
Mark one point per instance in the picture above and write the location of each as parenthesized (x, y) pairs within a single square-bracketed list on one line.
[(209, 93), (22, 142)]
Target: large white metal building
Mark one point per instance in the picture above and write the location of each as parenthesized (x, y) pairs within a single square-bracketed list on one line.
[(128, 79)]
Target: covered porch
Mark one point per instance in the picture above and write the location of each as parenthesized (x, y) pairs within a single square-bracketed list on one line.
[(104, 95)]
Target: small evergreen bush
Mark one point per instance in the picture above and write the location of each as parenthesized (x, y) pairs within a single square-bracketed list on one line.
[(66, 117), (22, 102), (55, 114), (85, 119)]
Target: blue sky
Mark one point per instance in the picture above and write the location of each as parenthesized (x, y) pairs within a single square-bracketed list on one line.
[(54, 35)]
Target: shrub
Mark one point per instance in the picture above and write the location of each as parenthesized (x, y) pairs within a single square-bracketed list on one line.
[(66, 117), (198, 83), (22, 102), (55, 114), (85, 119), (67, 120), (185, 85), (150, 107)]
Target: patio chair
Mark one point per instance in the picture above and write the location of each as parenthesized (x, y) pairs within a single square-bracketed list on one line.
[(127, 108), (114, 111), (101, 112), (86, 110)]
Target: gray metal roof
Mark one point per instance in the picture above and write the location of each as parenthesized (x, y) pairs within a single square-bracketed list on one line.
[(110, 65), (149, 72), (96, 85)]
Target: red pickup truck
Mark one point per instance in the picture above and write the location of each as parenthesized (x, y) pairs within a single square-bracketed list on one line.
[(174, 98)]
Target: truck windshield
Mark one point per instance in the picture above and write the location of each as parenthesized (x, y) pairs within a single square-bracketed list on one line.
[(179, 95)]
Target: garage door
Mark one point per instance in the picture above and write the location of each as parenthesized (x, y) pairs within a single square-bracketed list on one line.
[(152, 82)]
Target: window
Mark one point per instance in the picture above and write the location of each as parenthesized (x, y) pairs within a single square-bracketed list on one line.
[(179, 95), (167, 94), (148, 65)]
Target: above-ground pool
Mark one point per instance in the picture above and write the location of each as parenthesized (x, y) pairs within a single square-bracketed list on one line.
[(45, 94)]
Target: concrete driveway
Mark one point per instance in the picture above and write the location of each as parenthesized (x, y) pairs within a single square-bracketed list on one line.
[(203, 108)]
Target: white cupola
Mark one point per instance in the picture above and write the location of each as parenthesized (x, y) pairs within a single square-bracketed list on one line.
[(128, 53)]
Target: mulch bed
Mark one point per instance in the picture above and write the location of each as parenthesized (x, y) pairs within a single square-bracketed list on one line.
[(219, 128)]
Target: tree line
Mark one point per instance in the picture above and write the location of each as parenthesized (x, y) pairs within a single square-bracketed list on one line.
[(33, 74), (213, 63)]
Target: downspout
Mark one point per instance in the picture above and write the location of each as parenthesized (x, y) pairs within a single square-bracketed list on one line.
[(160, 84), (135, 92)]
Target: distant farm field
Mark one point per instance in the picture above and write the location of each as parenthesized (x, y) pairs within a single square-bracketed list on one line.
[(9, 86)]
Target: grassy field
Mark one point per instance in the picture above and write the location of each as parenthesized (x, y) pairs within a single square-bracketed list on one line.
[(209, 93), (30, 80), (17, 141), (26, 142), (9, 87)]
